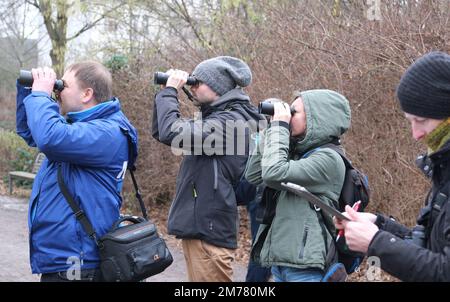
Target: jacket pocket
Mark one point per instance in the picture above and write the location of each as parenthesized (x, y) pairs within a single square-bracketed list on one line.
[(223, 225), (182, 212), (303, 243)]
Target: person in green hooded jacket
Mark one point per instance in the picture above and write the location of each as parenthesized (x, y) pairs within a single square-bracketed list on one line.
[(295, 244)]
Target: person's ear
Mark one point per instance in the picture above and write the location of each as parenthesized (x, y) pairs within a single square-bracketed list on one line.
[(88, 95)]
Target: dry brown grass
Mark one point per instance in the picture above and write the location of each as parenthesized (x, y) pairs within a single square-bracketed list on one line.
[(290, 51)]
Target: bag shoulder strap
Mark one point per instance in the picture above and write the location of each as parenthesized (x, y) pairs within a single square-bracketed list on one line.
[(325, 227), (336, 146), (79, 213), (339, 150), (132, 168)]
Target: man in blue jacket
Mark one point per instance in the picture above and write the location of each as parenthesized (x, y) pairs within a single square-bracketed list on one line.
[(84, 134)]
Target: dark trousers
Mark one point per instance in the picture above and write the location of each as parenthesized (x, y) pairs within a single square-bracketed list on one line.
[(93, 275), (255, 272)]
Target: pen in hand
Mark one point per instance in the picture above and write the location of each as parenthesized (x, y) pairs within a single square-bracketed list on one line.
[(341, 232)]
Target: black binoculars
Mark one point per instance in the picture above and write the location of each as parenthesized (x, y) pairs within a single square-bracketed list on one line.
[(267, 108), (160, 78), (26, 79)]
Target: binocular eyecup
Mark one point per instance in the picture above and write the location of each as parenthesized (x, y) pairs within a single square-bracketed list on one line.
[(161, 78), (267, 108), (26, 79)]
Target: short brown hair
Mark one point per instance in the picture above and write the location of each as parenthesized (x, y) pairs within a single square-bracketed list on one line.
[(91, 74)]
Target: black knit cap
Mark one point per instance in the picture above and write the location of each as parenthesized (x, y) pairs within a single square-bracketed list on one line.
[(424, 88)]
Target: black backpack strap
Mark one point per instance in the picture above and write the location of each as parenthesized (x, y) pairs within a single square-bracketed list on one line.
[(338, 148), (331, 255), (330, 248), (323, 226), (79, 213)]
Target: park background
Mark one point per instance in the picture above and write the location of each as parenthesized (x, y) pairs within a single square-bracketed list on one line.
[(358, 48)]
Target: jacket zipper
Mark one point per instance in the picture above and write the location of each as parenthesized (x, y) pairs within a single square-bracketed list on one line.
[(211, 227), (302, 247), (194, 195), (215, 173)]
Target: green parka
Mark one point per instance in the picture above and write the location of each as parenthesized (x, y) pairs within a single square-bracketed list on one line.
[(295, 237)]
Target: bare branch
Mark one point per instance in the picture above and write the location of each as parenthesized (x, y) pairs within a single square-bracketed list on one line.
[(88, 26), (34, 3)]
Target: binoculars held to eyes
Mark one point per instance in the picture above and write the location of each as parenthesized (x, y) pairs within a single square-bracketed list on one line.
[(160, 78), (267, 108), (26, 79)]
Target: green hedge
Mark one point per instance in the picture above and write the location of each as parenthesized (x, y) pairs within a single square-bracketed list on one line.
[(16, 155)]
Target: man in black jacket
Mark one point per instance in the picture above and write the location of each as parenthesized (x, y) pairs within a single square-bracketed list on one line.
[(421, 254), (215, 148)]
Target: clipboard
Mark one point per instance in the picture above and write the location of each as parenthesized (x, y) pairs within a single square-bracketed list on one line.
[(316, 201)]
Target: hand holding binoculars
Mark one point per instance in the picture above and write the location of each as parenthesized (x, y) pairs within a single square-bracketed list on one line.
[(26, 79), (161, 78), (267, 107)]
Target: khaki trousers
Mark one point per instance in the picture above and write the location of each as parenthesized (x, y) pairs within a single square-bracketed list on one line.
[(206, 262)]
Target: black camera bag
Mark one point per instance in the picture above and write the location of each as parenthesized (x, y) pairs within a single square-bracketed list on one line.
[(133, 252)]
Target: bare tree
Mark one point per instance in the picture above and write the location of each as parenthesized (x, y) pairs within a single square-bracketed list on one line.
[(18, 41), (56, 15)]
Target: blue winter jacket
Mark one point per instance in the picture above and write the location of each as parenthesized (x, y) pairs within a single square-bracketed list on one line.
[(92, 150)]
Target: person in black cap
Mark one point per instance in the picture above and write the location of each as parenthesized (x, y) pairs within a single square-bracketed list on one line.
[(204, 211), (421, 253)]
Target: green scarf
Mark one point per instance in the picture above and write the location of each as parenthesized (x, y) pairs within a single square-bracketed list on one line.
[(438, 137)]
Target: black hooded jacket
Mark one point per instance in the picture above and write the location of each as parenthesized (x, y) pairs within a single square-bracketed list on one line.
[(204, 206), (408, 261)]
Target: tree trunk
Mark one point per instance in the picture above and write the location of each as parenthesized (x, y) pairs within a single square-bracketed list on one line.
[(58, 54), (57, 30)]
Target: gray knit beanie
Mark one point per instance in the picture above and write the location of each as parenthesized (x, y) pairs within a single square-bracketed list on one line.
[(223, 74)]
